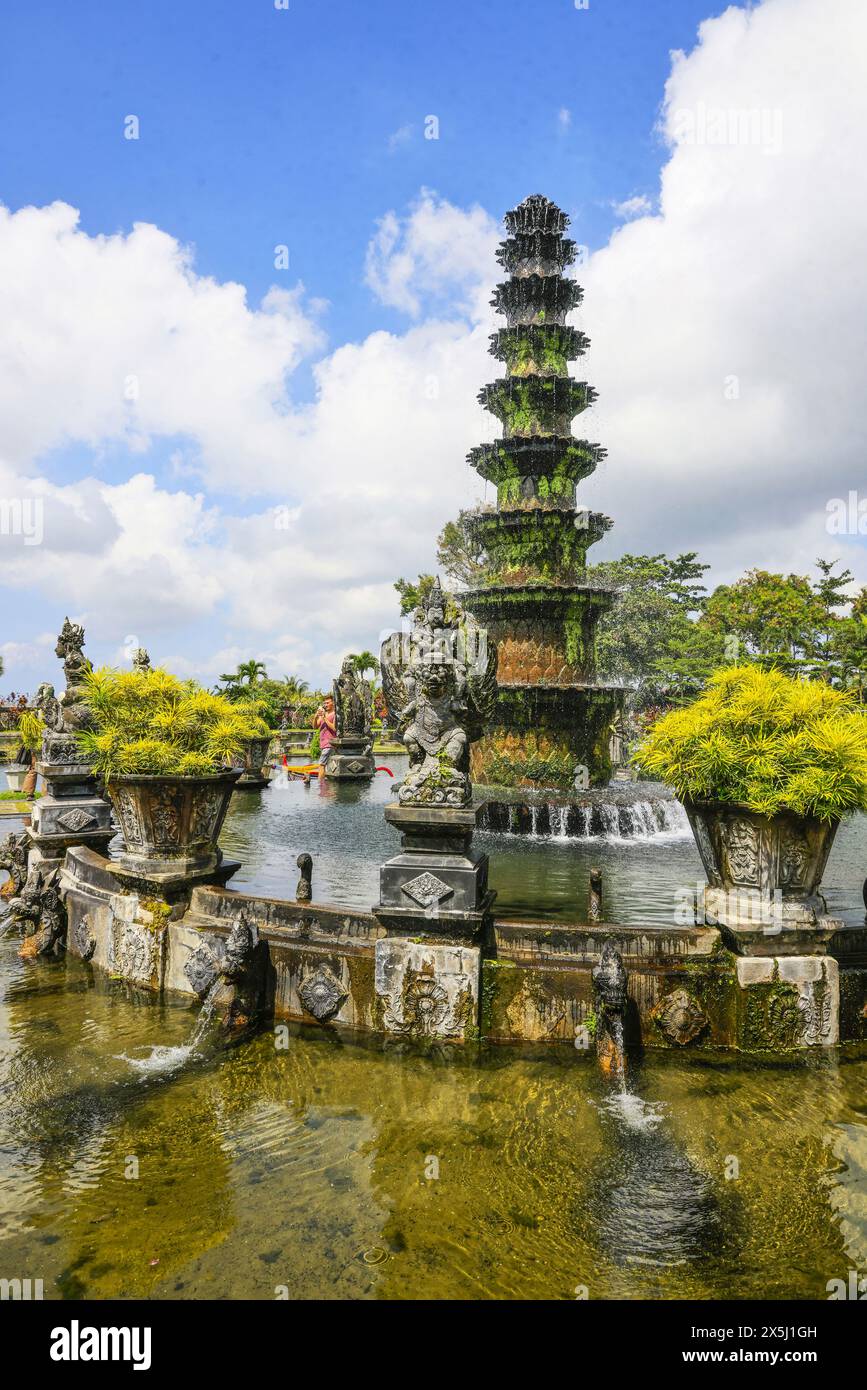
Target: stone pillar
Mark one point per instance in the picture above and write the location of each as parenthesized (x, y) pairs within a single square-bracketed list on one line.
[(436, 886), (71, 811), (350, 759), (434, 900), (436, 907)]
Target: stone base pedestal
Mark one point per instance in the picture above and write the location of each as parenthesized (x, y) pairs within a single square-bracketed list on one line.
[(436, 886), (428, 990), (436, 908), (759, 924), (350, 760), (71, 812)]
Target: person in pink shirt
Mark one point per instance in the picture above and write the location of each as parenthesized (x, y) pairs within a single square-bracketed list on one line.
[(324, 720)]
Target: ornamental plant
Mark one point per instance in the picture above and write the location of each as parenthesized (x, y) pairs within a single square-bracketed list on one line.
[(153, 723), (764, 741), (31, 727)]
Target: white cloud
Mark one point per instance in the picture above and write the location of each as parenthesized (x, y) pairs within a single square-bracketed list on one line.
[(400, 137), (564, 118), (729, 331), (633, 207), (116, 339), (728, 341), (439, 253)]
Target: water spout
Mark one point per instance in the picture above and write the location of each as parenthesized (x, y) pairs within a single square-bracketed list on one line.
[(610, 997)]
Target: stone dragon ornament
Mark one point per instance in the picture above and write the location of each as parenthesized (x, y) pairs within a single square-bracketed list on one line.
[(40, 909), (440, 680), (13, 858)]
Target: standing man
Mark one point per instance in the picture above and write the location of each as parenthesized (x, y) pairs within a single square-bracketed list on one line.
[(324, 720)]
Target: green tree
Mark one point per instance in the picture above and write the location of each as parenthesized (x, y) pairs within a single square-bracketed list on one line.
[(648, 638), (248, 673), (458, 554), (776, 619), (413, 595), (366, 661)]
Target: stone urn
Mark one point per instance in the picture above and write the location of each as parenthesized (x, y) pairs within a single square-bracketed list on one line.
[(15, 774), (171, 824), (252, 774), (763, 876)]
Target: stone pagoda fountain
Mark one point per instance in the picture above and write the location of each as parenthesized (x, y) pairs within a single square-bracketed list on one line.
[(553, 721)]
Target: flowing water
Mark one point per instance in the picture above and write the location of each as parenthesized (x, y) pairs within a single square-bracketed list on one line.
[(339, 1169), (139, 1159)]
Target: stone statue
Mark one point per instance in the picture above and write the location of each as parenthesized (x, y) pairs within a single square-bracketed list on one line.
[(610, 998), (41, 910), (238, 991), (441, 677), (353, 703), (50, 708), (141, 660), (13, 858), (76, 666)]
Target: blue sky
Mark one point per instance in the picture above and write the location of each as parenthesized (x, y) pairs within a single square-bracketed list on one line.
[(342, 389), (262, 126)]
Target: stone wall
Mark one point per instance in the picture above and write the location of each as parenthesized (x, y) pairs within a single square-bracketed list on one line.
[(334, 967)]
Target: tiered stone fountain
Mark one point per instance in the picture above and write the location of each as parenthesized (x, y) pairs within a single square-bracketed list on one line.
[(549, 741)]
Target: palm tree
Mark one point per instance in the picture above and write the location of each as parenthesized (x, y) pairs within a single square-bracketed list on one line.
[(365, 661), (248, 673)]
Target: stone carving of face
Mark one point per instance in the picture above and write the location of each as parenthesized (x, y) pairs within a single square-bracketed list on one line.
[(435, 680)]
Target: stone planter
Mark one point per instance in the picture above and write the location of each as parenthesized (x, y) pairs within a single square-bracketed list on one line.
[(763, 875), (171, 824), (15, 774), (255, 753)]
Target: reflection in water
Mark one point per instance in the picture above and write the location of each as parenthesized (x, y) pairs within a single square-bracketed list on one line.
[(309, 1166), (342, 826)]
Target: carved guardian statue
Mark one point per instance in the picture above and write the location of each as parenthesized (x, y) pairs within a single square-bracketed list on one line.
[(441, 679)]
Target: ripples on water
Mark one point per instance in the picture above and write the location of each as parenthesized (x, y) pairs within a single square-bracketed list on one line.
[(309, 1167)]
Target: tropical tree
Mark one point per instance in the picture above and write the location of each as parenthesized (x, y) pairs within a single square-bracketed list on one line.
[(648, 639), (458, 552), (411, 595), (248, 673), (366, 661)]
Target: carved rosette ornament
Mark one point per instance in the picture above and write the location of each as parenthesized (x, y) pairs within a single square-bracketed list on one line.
[(133, 952), (77, 819), (440, 680), (679, 1017), (201, 969), (322, 993), (426, 889)]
